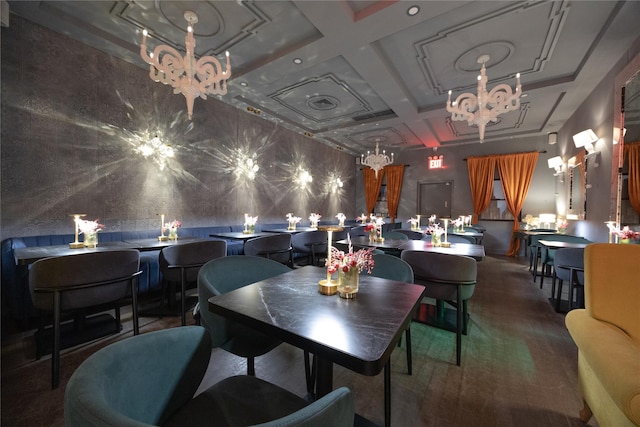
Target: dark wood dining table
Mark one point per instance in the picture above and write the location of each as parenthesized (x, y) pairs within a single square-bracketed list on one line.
[(471, 250), (363, 241), (286, 230), (29, 255), (239, 235), (359, 334)]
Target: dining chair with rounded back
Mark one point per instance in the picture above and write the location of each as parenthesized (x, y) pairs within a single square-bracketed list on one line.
[(394, 235), (393, 268), (311, 244), (121, 385), (276, 247), (180, 263), (77, 282), (223, 275), (447, 277), (568, 266), (411, 234)]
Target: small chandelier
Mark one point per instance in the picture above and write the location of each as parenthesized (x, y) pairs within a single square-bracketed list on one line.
[(376, 161), (189, 76), (487, 106)]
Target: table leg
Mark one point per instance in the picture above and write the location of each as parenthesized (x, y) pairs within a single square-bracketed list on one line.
[(387, 393), (324, 377)]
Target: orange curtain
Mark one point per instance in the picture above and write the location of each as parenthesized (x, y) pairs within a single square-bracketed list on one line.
[(481, 172), (371, 187), (632, 154), (394, 187), (515, 172)]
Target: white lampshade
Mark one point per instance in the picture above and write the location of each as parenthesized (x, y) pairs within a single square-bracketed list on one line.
[(585, 137), (555, 162)]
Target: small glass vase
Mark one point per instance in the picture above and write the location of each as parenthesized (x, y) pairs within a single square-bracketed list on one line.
[(562, 230), (314, 224), (348, 283), (372, 235), (435, 240), (173, 234), (625, 241), (292, 225), (90, 240)]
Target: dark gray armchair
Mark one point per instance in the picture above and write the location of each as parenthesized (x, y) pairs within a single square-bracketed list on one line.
[(150, 380), (75, 282)]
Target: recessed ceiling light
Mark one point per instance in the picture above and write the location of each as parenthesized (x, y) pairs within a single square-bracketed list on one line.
[(413, 10), (244, 84), (297, 61)]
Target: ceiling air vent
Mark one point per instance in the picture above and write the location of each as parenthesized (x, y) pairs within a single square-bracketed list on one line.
[(373, 115)]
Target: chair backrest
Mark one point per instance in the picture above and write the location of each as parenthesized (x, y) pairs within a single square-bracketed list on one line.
[(357, 231), (138, 381), (546, 255), (392, 268), (568, 257), (276, 247), (411, 234), (307, 241), (434, 269), (223, 275), (394, 235), (194, 254), (454, 238), (611, 289), (109, 272), (335, 409)]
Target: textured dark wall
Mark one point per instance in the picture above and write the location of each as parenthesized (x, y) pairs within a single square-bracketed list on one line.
[(72, 117)]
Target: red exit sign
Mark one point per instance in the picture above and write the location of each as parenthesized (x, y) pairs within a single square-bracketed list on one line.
[(435, 162)]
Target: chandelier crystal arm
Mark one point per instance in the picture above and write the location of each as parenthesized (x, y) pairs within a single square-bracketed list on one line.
[(463, 107)]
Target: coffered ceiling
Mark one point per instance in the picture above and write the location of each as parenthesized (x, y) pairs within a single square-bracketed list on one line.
[(369, 71)]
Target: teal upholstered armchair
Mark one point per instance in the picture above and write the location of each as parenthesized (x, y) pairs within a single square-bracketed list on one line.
[(122, 385)]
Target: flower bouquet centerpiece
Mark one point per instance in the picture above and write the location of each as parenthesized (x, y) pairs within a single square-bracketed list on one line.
[(172, 227), (561, 225), (432, 219), (529, 221), (314, 218), (90, 231), (415, 223), (341, 217), (348, 266), (250, 224), (436, 232), (458, 225), (363, 218), (625, 235), (293, 221)]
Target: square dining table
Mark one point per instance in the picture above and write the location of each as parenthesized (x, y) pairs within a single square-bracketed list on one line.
[(359, 334)]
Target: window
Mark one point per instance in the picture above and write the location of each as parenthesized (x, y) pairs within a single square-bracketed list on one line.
[(497, 210)]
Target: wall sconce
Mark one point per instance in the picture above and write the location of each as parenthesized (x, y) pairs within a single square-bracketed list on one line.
[(552, 138), (586, 139), (558, 164)]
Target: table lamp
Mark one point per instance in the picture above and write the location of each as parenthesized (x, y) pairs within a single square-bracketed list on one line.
[(328, 286), (76, 244)]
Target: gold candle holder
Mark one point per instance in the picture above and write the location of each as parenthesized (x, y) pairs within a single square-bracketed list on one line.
[(76, 244), (328, 286)]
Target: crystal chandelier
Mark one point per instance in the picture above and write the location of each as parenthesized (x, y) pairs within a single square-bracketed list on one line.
[(376, 161), (487, 106), (189, 76)]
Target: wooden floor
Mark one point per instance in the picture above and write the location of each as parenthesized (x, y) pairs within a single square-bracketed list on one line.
[(518, 366)]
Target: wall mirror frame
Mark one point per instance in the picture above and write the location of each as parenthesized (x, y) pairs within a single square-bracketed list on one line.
[(630, 71)]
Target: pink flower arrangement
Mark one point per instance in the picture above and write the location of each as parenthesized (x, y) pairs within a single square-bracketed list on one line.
[(625, 232), (175, 224), (434, 229), (361, 259), (562, 224), (89, 227)]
